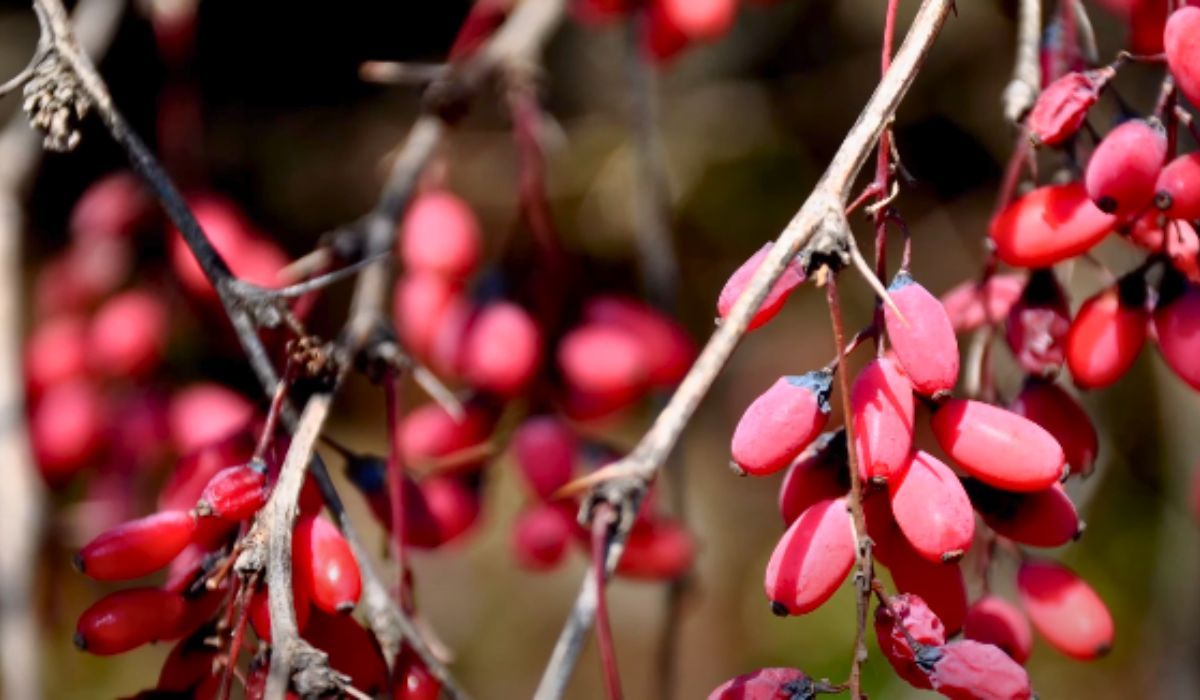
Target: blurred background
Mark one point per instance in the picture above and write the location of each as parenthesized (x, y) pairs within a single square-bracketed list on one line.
[(287, 128)]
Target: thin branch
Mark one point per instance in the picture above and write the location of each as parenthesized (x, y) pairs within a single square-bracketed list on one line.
[(821, 217), (601, 528), (1026, 81)]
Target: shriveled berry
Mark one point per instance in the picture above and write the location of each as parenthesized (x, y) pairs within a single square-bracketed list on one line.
[(1051, 407), (128, 335), (923, 339), (970, 670), (932, 509), (1177, 191), (1181, 41), (138, 547), (1049, 225), (323, 559), (668, 347), (541, 535), (1107, 335), (235, 493), (441, 235), (658, 550), (997, 446), (1177, 326), (993, 620), (907, 613), (1063, 105), (881, 403), (971, 304), (1037, 325), (811, 559), (820, 472), (1065, 610), (791, 278), (781, 422), (544, 448), (768, 684), (502, 350), (1124, 168), (128, 619)]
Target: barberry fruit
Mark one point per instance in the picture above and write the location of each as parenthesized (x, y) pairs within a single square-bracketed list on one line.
[(932, 509), (781, 422), (1049, 225), (138, 547), (997, 446), (1065, 610), (923, 339), (882, 407), (993, 620), (1124, 168), (323, 560), (811, 559)]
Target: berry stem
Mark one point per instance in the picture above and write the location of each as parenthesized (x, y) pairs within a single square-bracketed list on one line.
[(395, 478), (602, 523)]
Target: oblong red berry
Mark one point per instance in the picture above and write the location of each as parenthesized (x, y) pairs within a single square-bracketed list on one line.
[(1106, 337), (202, 414), (970, 670), (541, 534), (128, 619), (411, 679), (820, 472), (971, 304), (1037, 325), (56, 353), (993, 620), (189, 663), (941, 586), (907, 613), (781, 422), (811, 559), (259, 608), (932, 509), (235, 493), (544, 449), (323, 559), (1177, 327), (1051, 407), (1062, 107), (352, 650), (882, 407), (701, 19), (657, 549), (440, 235), (997, 446), (605, 365), (1124, 168), (429, 433), (1065, 610), (138, 547), (115, 206), (420, 301), (791, 278), (195, 469), (1044, 518), (923, 339), (67, 429), (452, 505), (1177, 191), (502, 350), (1181, 40), (766, 684), (1049, 225), (128, 335), (668, 347)]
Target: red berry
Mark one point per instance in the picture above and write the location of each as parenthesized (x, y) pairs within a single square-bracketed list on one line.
[(1048, 405), (441, 235), (429, 433), (419, 304), (811, 560), (605, 365), (1124, 168), (82, 275), (352, 650), (1181, 40), (1040, 519), (1037, 324), (907, 613), (189, 663), (997, 446), (541, 535), (971, 304), (203, 414), (923, 339), (413, 681), (195, 469), (326, 565), (235, 493), (932, 509), (260, 608), (781, 422), (128, 335), (544, 448), (1049, 225), (820, 472), (996, 621), (662, 39), (766, 684), (138, 547), (1183, 248), (657, 550), (1177, 191), (248, 255), (791, 278), (67, 429), (701, 19), (502, 350), (1146, 231), (882, 406), (668, 348), (969, 670), (1065, 610), (115, 206), (453, 507), (1107, 335), (56, 353), (1063, 106), (599, 11), (1177, 325), (941, 586), (128, 619)]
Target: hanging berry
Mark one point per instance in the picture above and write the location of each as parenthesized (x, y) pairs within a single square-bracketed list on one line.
[(791, 278), (781, 422), (1177, 327), (820, 472), (1124, 168), (923, 339), (881, 404), (1051, 407), (326, 565), (1044, 518), (1177, 191), (1049, 225), (138, 547), (1108, 334), (993, 620), (128, 619), (969, 669), (811, 559), (907, 613), (1181, 40), (1037, 325), (998, 446), (932, 509), (1065, 610)]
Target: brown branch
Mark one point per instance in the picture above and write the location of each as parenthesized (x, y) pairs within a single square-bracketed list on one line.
[(1026, 82), (820, 220)]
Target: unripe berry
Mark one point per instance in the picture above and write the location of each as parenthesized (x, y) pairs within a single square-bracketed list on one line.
[(923, 339), (767, 684), (429, 433), (821, 472), (1062, 107), (540, 535), (971, 304), (997, 446), (781, 422), (1049, 225), (260, 608), (419, 305), (352, 650), (701, 19), (791, 278), (56, 353), (1181, 40), (1037, 324), (115, 206), (969, 670), (544, 449), (1107, 335), (502, 350), (881, 403), (203, 414), (128, 335), (811, 559), (441, 235), (668, 348), (1177, 325), (907, 613), (1051, 407), (1177, 191), (138, 547), (657, 550), (128, 619), (932, 509), (67, 429), (1124, 168), (235, 493), (993, 620), (604, 366), (326, 565), (1065, 610)]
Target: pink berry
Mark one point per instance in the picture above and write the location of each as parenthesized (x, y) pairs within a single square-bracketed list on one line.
[(541, 535), (882, 406), (923, 339), (766, 684), (1107, 335), (908, 613), (998, 446), (1177, 191), (701, 19), (1063, 106), (657, 550), (1065, 610), (932, 509), (502, 350), (605, 365), (781, 422), (1124, 168), (811, 560), (1177, 325), (419, 303), (993, 620), (669, 349), (1048, 405), (441, 235), (941, 586), (56, 353), (1045, 518), (235, 493), (115, 206), (820, 472), (68, 429), (544, 448), (1049, 225), (969, 670), (1181, 40), (971, 304), (202, 414), (128, 335), (791, 278), (429, 433)]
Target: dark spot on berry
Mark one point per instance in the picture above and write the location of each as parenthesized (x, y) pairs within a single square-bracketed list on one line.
[(78, 562), (1163, 200), (779, 609), (1106, 204), (80, 641)]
